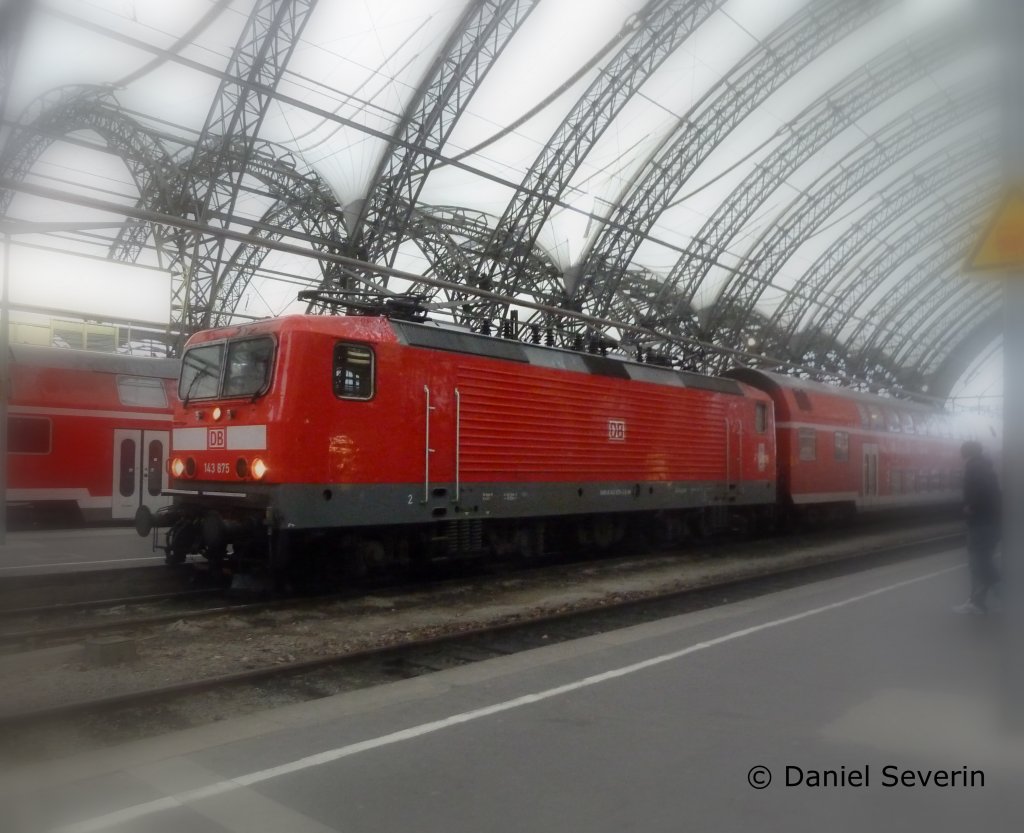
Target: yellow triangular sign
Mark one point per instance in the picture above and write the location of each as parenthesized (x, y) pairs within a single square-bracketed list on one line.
[(1001, 244)]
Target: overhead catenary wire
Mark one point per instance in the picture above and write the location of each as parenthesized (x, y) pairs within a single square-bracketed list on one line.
[(184, 40)]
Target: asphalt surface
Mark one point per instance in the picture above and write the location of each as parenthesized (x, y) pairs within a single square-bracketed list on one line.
[(650, 728), (40, 552)]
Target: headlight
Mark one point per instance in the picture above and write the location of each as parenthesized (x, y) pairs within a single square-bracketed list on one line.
[(177, 467), (259, 468)]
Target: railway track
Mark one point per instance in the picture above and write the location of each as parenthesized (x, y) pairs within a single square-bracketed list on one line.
[(34, 627), (414, 654), (86, 590)]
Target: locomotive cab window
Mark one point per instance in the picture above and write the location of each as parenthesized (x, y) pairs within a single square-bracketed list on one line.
[(353, 371), (200, 372), (248, 366), (760, 417)]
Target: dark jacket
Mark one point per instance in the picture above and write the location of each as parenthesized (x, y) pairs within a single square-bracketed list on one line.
[(982, 496)]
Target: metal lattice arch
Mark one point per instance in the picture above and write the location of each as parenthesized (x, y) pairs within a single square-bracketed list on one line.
[(853, 278)]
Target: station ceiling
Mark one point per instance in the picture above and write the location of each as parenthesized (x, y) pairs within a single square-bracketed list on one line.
[(791, 185)]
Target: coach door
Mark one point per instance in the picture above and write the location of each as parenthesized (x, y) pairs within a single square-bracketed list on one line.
[(139, 471), (733, 456), (870, 490)]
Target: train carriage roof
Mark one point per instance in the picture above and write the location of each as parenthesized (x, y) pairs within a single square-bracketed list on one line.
[(93, 362), (457, 340), (769, 382)]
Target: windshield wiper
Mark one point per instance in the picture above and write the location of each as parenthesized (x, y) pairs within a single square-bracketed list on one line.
[(203, 372)]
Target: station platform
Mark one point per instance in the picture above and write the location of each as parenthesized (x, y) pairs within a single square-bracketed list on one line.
[(71, 550), (666, 726)]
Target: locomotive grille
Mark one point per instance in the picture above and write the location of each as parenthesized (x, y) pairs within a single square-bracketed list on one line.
[(465, 537)]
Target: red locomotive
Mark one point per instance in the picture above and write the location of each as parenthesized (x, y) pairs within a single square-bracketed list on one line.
[(382, 439), (87, 433)]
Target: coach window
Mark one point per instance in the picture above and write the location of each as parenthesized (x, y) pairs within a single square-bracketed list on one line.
[(808, 445), (892, 421), (353, 371), (908, 423), (155, 467), (126, 468), (760, 417), (142, 391), (842, 446), (28, 435), (875, 413), (802, 399)]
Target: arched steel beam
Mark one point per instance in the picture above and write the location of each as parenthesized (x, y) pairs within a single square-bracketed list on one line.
[(472, 239), (962, 352), (787, 51), (816, 203), (892, 321), (918, 249), (303, 201), (830, 284), (986, 300), (268, 162), (14, 18), (477, 40), (905, 303), (66, 110), (261, 54), (316, 219), (818, 125), (662, 27), (941, 313)]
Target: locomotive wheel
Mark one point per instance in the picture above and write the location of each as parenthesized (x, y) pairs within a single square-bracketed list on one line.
[(181, 541), (700, 526)]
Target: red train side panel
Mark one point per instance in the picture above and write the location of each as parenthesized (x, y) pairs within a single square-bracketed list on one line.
[(842, 447), (88, 432), (447, 424)]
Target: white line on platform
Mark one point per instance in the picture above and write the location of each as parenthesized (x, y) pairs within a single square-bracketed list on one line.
[(48, 565), (189, 796)]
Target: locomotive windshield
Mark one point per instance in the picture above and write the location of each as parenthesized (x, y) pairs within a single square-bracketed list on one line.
[(200, 372), (205, 374), (248, 366)]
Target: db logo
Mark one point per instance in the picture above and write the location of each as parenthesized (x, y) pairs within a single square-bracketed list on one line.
[(617, 430), (762, 457), (216, 438)]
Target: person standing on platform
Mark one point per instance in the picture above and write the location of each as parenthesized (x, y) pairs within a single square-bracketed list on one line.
[(982, 502)]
